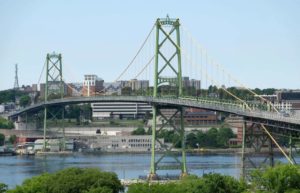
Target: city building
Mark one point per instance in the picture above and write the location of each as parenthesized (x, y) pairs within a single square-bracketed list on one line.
[(187, 82), (129, 143), (54, 88), (92, 85), (290, 98), (120, 110), (285, 100), (194, 116), (195, 84), (53, 145), (139, 84), (113, 87), (75, 89)]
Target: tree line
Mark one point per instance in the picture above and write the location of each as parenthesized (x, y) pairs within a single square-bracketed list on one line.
[(279, 179), (213, 138)]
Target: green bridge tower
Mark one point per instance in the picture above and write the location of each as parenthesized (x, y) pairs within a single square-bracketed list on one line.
[(54, 89), (167, 61)]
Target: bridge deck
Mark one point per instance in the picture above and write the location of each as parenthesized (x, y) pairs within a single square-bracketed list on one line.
[(214, 105)]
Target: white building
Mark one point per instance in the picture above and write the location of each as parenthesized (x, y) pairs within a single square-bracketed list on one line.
[(120, 110), (53, 145), (123, 143)]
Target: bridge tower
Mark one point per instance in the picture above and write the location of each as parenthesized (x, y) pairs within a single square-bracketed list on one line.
[(167, 61), (54, 89)]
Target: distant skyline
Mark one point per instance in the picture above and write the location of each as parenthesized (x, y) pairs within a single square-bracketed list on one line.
[(257, 41)]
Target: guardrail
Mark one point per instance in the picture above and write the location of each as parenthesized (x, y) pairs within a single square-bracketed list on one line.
[(206, 103)]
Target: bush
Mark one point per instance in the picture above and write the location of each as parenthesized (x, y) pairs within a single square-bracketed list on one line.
[(72, 180), (279, 179), (3, 188), (2, 139), (6, 124), (210, 183)]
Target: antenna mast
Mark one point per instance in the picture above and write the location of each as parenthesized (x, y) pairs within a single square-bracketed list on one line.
[(16, 84)]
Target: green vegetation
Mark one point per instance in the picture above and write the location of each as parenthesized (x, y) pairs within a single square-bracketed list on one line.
[(6, 124), (3, 188), (209, 183), (2, 139), (25, 101), (8, 96), (280, 179), (214, 138), (72, 180), (212, 91), (12, 139), (139, 131)]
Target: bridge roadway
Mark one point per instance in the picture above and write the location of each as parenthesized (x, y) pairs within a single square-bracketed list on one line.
[(265, 117)]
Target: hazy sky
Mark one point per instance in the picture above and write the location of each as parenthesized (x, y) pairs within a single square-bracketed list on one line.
[(257, 41)]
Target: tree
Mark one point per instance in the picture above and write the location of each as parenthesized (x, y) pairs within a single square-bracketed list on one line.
[(224, 134), (209, 183), (6, 124), (3, 188), (12, 139), (72, 180), (139, 131), (191, 140), (25, 100), (279, 179), (2, 139), (212, 135)]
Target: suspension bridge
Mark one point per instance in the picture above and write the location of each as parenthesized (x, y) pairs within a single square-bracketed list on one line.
[(169, 53)]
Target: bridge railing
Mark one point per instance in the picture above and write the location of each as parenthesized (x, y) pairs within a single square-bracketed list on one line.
[(207, 103)]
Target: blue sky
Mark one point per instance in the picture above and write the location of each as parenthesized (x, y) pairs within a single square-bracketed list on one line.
[(257, 41)]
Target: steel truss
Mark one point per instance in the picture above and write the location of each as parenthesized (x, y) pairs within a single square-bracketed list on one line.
[(176, 80), (54, 88), (258, 147)]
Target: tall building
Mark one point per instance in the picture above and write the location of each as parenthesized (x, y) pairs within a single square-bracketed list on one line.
[(75, 89), (139, 84), (54, 88), (113, 88), (290, 98), (92, 85), (195, 84)]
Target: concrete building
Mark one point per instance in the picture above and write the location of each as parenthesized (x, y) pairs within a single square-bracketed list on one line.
[(291, 97), (113, 88), (195, 84), (92, 85), (195, 116), (75, 89), (53, 145), (139, 84), (120, 110), (123, 143), (187, 82), (54, 88)]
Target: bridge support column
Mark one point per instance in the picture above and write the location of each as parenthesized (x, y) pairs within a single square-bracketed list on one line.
[(167, 76), (173, 123), (183, 141), (153, 175), (54, 88), (45, 128), (243, 149), (257, 149)]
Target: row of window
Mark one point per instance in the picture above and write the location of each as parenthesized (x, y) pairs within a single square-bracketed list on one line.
[(137, 140), (140, 145), (133, 145)]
